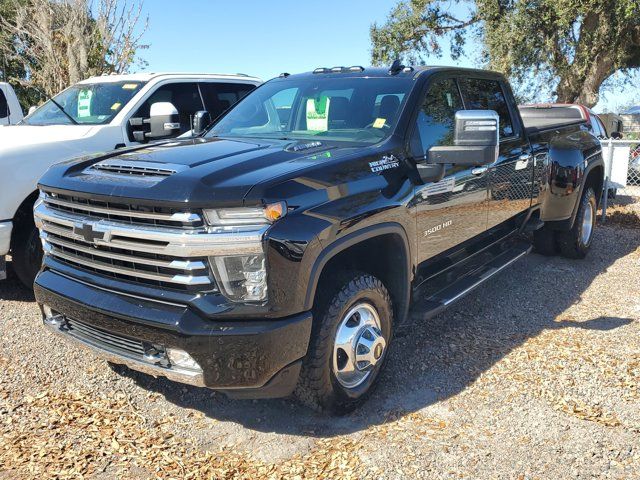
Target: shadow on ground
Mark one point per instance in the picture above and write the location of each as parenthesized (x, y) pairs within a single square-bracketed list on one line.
[(11, 290), (440, 357)]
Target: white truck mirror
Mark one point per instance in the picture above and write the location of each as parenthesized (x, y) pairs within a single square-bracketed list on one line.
[(164, 121)]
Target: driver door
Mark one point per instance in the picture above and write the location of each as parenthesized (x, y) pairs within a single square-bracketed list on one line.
[(453, 210)]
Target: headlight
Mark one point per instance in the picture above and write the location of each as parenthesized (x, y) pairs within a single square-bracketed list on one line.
[(246, 215), (243, 277)]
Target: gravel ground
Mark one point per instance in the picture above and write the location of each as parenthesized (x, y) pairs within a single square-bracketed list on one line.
[(534, 376)]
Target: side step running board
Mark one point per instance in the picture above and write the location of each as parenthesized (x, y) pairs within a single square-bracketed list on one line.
[(438, 301)]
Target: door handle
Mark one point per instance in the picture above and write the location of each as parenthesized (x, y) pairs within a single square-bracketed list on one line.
[(479, 170)]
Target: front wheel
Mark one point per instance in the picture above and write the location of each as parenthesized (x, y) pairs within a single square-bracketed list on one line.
[(576, 242), (348, 346), (26, 253)]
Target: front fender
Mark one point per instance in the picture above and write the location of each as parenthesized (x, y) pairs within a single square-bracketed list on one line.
[(351, 239)]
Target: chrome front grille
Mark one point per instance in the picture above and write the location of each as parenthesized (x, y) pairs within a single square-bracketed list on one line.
[(150, 246)]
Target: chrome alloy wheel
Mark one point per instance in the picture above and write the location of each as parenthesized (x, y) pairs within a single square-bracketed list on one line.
[(358, 345), (587, 224)]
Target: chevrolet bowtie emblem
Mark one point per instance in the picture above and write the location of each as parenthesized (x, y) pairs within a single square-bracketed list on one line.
[(86, 231)]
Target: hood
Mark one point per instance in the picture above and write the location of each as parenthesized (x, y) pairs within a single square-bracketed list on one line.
[(20, 135), (203, 172)]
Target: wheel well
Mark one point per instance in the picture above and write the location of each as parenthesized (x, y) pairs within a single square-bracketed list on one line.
[(23, 215), (384, 256), (595, 179)]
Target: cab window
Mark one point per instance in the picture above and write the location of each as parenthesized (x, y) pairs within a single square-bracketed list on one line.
[(435, 121), (184, 96), (484, 94), (219, 97)]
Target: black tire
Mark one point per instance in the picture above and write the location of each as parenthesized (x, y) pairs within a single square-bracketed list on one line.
[(545, 242), (573, 243), (318, 387), (26, 252)]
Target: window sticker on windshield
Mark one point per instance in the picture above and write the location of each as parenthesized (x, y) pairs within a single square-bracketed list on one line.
[(379, 123), (318, 114), (116, 106), (84, 103), (129, 86)]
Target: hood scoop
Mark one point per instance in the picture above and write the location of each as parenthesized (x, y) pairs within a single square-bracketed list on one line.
[(131, 168)]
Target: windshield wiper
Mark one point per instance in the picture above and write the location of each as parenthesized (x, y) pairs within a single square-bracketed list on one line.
[(73, 120)]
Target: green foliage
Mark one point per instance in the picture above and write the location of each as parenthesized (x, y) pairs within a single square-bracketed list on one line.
[(11, 68), (570, 46), (47, 45)]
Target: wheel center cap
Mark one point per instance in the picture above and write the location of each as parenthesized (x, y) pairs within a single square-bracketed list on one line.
[(369, 348)]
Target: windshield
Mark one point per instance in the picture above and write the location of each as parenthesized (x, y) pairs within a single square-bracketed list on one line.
[(350, 109), (86, 104)]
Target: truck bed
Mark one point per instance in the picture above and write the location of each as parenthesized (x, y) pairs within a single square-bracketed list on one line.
[(538, 120)]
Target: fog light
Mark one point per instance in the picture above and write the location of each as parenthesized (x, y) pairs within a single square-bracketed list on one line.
[(48, 313), (51, 317), (182, 359)]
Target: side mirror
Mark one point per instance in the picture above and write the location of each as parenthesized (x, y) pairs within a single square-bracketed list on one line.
[(475, 140), (32, 109), (164, 121), (201, 120)]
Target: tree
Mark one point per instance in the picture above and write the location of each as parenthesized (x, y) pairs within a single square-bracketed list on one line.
[(568, 46), (55, 43)]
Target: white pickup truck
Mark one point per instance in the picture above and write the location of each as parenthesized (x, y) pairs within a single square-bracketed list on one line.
[(10, 110), (96, 115)]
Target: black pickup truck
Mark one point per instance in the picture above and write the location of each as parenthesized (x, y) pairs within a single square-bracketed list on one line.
[(278, 250)]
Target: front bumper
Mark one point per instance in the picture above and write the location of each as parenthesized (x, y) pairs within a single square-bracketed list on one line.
[(5, 237), (251, 359)]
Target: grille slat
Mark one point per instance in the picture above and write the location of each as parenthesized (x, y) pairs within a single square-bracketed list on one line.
[(189, 265), (129, 271), (114, 239), (104, 339), (104, 212), (123, 213)]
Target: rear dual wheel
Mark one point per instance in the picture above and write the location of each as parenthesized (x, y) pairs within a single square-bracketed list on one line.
[(348, 347), (574, 243)]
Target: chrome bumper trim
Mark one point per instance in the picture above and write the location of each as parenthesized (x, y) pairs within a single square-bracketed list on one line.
[(5, 237)]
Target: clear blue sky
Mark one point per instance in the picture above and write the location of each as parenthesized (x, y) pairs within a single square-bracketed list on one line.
[(262, 38), (267, 37)]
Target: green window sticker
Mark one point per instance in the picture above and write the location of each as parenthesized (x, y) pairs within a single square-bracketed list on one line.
[(318, 114), (84, 103)]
